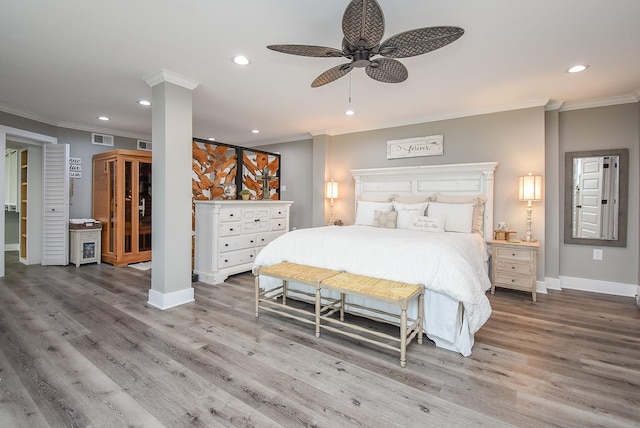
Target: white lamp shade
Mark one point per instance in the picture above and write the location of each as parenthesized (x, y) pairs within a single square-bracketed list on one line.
[(332, 189), (530, 188)]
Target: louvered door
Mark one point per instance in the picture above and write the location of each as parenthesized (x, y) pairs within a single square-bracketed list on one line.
[(55, 240)]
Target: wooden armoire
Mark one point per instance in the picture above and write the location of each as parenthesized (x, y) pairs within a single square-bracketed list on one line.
[(122, 202)]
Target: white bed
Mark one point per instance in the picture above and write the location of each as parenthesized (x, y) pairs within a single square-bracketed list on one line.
[(451, 265)]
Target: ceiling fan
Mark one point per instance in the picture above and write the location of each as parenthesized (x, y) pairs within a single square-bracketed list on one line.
[(363, 27)]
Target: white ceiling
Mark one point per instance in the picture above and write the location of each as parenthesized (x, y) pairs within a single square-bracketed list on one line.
[(65, 62)]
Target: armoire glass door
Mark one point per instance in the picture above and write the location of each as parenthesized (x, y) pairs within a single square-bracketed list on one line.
[(144, 206)]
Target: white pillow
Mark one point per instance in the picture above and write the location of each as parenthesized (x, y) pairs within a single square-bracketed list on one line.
[(366, 209), (428, 224), (479, 202), (407, 212), (459, 217)]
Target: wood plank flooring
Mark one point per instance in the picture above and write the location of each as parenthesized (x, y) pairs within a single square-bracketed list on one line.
[(79, 347)]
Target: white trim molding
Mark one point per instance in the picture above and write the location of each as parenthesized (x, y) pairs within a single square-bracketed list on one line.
[(170, 300), (597, 286), (168, 76)]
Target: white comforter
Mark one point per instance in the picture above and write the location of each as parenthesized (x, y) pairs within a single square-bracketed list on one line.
[(450, 263)]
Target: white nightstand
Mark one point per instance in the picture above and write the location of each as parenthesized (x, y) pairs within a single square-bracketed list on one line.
[(514, 265), (85, 245)]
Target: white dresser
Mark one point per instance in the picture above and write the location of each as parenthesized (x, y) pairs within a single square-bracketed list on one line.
[(230, 234)]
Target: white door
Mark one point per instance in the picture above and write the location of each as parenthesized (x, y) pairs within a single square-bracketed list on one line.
[(590, 198), (55, 240)]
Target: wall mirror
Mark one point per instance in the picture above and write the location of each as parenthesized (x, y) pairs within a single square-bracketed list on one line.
[(595, 197)]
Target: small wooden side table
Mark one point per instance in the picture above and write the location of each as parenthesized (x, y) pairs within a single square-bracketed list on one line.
[(85, 243), (514, 265)]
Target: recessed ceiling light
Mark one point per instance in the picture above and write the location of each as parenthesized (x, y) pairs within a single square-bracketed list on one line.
[(255, 131), (241, 60), (144, 102), (577, 68), (211, 139), (349, 112), (103, 118)]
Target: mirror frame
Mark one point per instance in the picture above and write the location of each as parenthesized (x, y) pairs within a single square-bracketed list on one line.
[(622, 198)]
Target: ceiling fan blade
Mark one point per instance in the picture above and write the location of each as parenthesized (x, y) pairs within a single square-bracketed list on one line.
[(419, 41), (387, 70), (332, 74), (305, 50), (363, 23)]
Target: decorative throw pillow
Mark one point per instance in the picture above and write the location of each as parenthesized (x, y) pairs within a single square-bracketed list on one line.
[(428, 224), (365, 210), (407, 212), (479, 202), (385, 219), (459, 217)]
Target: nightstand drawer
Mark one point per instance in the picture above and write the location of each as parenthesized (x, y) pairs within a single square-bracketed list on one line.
[(514, 254), (510, 281), (516, 268)]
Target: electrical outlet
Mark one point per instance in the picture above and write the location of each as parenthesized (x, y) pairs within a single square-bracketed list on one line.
[(597, 254)]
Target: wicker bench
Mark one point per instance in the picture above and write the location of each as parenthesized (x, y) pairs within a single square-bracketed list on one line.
[(342, 284)]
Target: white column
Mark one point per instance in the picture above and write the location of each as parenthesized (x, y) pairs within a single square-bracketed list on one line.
[(171, 189)]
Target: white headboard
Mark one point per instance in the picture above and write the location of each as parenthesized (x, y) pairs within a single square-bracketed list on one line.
[(453, 179)]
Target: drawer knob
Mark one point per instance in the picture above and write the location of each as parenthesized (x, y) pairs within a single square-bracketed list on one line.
[(513, 280), (251, 256), (231, 229), (513, 254), (226, 245), (513, 267), (226, 261), (251, 241), (231, 215)]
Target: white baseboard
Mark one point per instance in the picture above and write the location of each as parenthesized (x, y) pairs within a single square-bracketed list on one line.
[(597, 286), (12, 247), (170, 300), (553, 283)]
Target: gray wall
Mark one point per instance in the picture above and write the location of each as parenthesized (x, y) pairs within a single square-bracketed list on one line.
[(80, 147), (592, 129), (11, 228), (296, 174)]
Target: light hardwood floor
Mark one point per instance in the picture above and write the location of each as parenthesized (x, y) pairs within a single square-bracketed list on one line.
[(80, 347)]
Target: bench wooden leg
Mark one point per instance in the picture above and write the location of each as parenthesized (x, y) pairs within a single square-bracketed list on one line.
[(403, 337), (257, 293), (420, 320), (318, 307), (284, 291), (341, 306)]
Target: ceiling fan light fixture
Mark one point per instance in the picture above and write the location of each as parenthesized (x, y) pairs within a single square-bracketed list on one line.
[(144, 102), (349, 112), (577, 68), (362, 29), (255, 131), (105, 118)]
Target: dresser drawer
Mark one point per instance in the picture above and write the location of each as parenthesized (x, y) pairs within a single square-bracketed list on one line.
[(236, 258), (265, 238), (514, 254), (517, 268), (236, 243), (230, 229), (230, 214), (255, 213), (278, 224), (278, 213)]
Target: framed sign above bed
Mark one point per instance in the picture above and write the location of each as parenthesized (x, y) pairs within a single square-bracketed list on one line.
[(433, 145)]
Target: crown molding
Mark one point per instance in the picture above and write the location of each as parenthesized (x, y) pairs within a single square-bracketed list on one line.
[(601, 102), (538, 102), (170, 77), (71, 125)]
